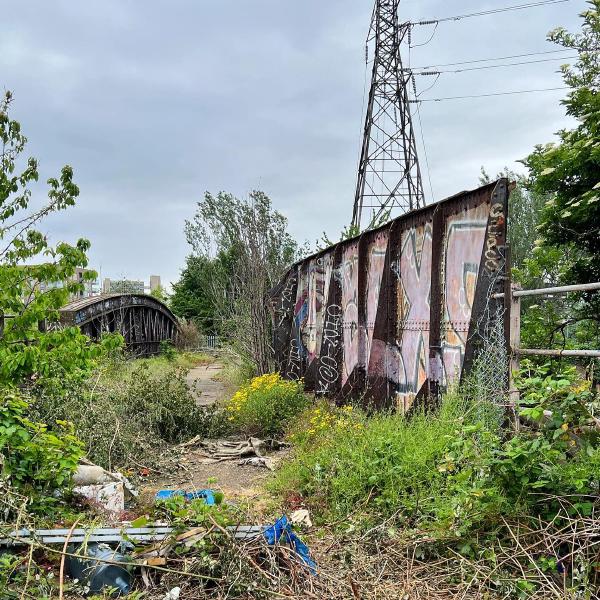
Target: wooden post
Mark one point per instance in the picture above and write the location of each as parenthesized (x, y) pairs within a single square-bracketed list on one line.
[(515, 342)]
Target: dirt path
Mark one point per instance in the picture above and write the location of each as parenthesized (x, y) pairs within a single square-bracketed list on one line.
[(205, 385), (235, 480)]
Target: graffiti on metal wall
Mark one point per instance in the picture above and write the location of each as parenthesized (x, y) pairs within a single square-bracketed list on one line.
[(385, 316), (464, 238)]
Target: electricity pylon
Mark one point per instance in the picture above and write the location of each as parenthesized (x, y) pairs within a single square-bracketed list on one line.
[(389, 177)]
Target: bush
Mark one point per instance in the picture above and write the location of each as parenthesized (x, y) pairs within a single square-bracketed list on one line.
[(34, 459), (167, 350), (189, 335), (384, 464), (131, 412), (266, 405)]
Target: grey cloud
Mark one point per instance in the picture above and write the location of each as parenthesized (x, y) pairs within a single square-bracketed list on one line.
[(153, 103)]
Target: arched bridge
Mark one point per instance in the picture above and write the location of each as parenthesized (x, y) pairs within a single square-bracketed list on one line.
[(142, 320)]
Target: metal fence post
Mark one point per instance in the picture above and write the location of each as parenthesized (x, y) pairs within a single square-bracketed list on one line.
[(515, 341)]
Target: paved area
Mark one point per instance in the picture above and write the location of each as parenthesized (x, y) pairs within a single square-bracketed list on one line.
[(205, 384)]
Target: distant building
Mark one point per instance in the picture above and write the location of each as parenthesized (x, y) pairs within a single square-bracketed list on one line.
[(154, 282), (90, 288), (129, 286), (123, 286)]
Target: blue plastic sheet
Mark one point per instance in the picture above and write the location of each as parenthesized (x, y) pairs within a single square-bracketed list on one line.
[(281, 531), (207, 495)]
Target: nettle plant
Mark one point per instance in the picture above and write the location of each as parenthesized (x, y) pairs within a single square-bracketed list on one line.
[(32, 294)]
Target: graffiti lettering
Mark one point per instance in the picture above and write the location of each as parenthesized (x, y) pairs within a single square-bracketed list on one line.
[(295, 363), (376, 263), (496, 223), (350, 310), (355, 319), (413, 290), (286, 301), (328, 372), (465, 235)]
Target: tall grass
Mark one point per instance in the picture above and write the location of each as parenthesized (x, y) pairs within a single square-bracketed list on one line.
[(449, 472), (390, 465)]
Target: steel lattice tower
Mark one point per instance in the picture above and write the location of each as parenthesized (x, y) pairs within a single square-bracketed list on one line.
[(389, 176)]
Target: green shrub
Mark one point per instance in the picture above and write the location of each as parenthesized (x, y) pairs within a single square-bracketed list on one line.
[(130, 412), (266, 405), (167, 350), (34, 459), (449, 472)]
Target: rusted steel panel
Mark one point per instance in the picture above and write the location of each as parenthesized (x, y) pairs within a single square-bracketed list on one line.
[(398, 312)]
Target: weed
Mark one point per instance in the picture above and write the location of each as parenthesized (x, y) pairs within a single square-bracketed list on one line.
[(451, 471), (167, 349)]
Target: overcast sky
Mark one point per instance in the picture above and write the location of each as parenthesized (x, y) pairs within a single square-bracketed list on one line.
[(154, 102)]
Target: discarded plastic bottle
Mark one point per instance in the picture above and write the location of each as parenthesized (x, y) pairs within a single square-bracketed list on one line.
[(100, 575)]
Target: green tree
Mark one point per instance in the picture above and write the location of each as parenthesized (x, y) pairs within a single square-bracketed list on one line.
[(160, 293), (242, 249), (568, 173), (192, 298), (37, 358), (32, 349)]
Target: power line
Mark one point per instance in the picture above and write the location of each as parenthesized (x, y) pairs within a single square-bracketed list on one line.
[(490, 94), (480, 60), (481, 67), (425, 152), (488, 12)]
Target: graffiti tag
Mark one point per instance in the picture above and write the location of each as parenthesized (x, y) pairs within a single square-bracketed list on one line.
[(492, 254), (328, 363)]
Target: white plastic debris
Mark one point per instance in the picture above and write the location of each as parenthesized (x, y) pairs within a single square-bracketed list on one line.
[(91, 475), (301, 517), (111, 496), (173, 594)]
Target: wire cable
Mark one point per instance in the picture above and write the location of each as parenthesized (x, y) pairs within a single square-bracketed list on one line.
[(425, 153), (480, 60), (490, 94), (482, 67), (418, 106), (491, 11), (411, 45)]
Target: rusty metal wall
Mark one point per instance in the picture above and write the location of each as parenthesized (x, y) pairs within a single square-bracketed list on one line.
[(399, 312)]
